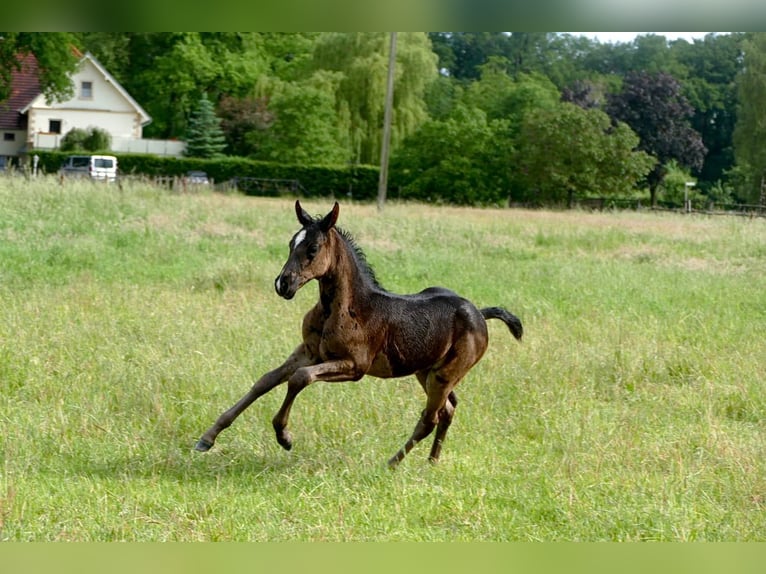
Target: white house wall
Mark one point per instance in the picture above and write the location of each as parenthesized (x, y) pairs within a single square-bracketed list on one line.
[(107, 108), (117, 124), (11, 147)]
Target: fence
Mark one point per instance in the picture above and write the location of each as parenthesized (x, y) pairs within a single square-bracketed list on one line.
[(171, 148), (712, 208), (267, 187), (174, 183)]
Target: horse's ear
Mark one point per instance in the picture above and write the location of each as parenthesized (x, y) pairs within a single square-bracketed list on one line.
[(329, 220), (303, 218)]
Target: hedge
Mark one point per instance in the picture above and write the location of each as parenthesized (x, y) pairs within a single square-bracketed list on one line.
[(357, 182)]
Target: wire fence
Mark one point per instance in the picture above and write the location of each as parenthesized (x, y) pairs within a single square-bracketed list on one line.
[(709, 208)]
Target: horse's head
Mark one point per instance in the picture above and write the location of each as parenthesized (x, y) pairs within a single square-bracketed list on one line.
[(309, 254)]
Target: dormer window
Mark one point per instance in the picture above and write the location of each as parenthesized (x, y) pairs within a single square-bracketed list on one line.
[(86, 90)]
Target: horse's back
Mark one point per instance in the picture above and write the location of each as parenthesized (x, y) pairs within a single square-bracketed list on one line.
[(421, 329)]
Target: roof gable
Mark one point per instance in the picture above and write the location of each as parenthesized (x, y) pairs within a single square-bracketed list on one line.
[(25, 88), (145, 118)]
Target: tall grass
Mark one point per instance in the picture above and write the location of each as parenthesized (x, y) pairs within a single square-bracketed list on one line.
[(130, 318)]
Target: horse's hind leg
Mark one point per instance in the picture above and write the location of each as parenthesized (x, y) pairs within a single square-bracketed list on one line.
[(445, 420), (438, 391), (299, 358), (445, 417), (438, 384)]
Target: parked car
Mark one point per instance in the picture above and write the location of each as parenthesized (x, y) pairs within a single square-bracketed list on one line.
[(100, 167), (195, 177)]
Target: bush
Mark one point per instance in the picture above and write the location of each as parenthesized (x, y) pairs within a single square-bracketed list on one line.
[(353, 182), (92, 139), (98, 140), (74, 140)]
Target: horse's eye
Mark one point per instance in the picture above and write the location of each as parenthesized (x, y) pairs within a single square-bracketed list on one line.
[(312, 251)]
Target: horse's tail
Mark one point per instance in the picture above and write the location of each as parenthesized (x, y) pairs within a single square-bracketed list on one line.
[(511, 320)]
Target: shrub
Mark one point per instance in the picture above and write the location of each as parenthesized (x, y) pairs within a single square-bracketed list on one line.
[(353, 182), (92, 139), (74, 140)]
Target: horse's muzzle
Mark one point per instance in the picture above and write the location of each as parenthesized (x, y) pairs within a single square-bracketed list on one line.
[(286, 287)]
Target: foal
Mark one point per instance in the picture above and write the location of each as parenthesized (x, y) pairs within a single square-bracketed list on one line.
[(358, 328)]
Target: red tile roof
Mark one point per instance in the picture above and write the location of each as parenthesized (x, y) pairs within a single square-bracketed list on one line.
[(25, 87)]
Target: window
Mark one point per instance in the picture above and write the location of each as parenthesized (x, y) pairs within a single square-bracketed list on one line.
[(86, 90), (9, 137), (54, 126)]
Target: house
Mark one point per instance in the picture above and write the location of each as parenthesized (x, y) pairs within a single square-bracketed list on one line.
[(29, 122)]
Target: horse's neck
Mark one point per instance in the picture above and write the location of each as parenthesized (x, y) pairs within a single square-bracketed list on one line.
[(345, 281)]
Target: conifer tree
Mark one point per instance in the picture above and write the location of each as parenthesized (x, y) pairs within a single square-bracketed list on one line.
[(204, 137)]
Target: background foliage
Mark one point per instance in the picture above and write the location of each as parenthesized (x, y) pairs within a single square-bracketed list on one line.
[(317, 98)]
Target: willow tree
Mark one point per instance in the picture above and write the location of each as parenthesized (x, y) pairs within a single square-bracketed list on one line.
[(750, 130), (362, 60)]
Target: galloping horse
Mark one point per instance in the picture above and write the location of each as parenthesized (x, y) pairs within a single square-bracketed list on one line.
[(358, 328)]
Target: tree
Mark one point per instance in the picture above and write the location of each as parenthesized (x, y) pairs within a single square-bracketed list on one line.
[(567, 151), (463, 54), (168, 72), (750, 132), (303, 127), (654, 107), (463, 159), (241, 119), (503, 97), (204, 137), (584, 93), (361, 60), (713, 65), (56, 59), (288, 55)]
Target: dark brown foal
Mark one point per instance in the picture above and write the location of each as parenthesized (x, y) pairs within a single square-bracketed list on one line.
[(358, 328)]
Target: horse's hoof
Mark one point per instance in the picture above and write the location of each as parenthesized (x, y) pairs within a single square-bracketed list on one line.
[(203, 445), (285, 440)]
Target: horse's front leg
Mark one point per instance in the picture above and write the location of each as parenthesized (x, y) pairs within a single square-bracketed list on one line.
[(299, 358), (331, 371)]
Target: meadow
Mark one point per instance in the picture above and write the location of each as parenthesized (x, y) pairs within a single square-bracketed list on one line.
[(130, 318)]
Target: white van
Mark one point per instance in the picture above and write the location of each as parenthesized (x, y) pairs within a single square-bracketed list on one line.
[(100, 167)]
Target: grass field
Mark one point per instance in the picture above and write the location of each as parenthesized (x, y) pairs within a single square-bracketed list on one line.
[(635, 408)]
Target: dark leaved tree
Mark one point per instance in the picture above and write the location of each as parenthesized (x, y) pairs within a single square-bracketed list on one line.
[(242, 117), (653, 105)]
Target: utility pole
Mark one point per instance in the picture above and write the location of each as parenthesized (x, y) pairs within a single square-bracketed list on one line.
[(383, 180), (763, 194)]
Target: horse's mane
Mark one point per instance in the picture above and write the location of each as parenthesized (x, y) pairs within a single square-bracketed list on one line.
[(359, 256)]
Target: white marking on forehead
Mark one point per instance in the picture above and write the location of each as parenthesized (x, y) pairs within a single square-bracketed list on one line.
[(299, 237)]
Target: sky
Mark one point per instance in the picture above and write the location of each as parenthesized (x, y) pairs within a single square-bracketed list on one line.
[(613, 37)]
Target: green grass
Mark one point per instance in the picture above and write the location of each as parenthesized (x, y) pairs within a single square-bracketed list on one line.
[(635, 409)]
